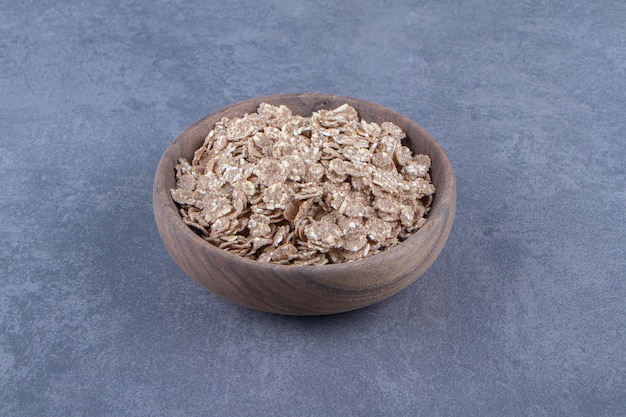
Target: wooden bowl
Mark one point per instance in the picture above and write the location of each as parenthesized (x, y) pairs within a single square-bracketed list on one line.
[(305, 290)]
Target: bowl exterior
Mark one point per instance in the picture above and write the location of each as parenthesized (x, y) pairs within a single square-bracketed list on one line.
[(305, 290)]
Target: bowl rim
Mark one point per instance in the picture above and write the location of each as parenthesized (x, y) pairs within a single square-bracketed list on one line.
[(163, 195)]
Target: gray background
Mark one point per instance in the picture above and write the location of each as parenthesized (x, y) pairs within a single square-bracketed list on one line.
[(522, 314)]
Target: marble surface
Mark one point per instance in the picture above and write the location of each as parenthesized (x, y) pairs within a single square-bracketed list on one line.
[(522, 314)]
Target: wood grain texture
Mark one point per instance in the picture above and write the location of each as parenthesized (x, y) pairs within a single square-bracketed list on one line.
[(305, 290)]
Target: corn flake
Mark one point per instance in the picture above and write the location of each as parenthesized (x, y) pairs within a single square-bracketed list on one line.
[(282, 188)]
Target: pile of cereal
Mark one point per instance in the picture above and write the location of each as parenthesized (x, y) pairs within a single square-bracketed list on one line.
[(287, 189)]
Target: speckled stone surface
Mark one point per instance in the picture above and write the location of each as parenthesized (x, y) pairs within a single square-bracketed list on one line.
[(523, 314)]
